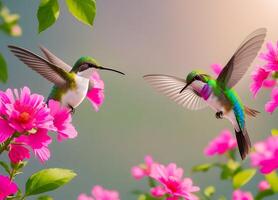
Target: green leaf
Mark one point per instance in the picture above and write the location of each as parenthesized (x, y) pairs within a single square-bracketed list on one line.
[(243, 177), (263, 194), (274, 132), (272, 179), (84, 11), (202, 167), (147, 197), (45, 197), (47, 14), (5, 166), (3, 69), (209, 191), (222, 198), (47, 180)]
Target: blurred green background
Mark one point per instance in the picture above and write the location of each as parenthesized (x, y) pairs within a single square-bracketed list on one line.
[(141, 37)]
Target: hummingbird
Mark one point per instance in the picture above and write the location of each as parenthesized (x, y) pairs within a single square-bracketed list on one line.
[(71, 84), (199, 90)]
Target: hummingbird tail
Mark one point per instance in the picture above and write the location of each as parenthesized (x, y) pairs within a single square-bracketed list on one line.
[(251, 112), (243, 142)]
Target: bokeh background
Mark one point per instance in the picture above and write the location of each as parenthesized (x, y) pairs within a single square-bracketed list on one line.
[(141, 37)]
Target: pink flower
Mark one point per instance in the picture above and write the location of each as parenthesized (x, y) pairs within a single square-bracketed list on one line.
[(172, 183), (263, 185), (221, 144), (260, 78), (216, 68), (62, 120), (271, 105), (7, 187), (18, 153), (99, 193), (265, 156), (271, 57), (23, 112), (96, 94), (138, 172), (84, 197), (241, 195), (38, 142)]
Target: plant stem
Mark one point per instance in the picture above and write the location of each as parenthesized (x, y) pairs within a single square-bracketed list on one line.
[(6, 144)]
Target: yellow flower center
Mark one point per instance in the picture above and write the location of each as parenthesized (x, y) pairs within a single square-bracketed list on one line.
[(24, 117)]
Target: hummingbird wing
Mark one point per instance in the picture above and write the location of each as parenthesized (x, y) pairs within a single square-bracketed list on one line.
[(59, 62), (48, 70), (54, 59), (171, 87), (242, 58)]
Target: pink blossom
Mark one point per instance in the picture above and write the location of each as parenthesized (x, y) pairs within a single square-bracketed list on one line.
[(6, 130), (38, 142), (62, 120), (216, 68), (263, 185), (172, 182), (271, 105), (221, 144), (99, 193), (18, 153), (7, 187), (23, 112), (96, 94), (138, 172), (265, 156), (241, 195), (84, 197), (260, 78), (16, 31), (271, 57)]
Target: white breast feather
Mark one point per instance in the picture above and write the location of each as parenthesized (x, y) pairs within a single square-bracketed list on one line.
[(76, 96)]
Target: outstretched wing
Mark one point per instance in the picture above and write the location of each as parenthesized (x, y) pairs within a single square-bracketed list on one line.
[(242, 58), (55, 60), (171, 87), (48, 70), (59, 62)]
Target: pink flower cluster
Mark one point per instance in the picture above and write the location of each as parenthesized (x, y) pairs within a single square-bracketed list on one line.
[(172, 185), (99, 193), (265, 156), (96, 94), (7, 187), (25, 121), (263, 185), (266, 76), (221, 144), (241, 195)]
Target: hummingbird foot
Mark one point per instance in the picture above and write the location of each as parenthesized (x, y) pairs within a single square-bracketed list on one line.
[(72, 109), (219, 115)]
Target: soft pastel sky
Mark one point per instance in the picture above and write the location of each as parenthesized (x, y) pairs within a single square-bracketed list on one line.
[(141, 37)]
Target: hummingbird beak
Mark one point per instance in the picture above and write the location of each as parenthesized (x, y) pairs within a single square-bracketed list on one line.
[(187, 84), (108, 69)]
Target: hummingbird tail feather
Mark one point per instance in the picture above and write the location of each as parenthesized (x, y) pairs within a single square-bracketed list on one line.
[(251, 112), (243, 142)]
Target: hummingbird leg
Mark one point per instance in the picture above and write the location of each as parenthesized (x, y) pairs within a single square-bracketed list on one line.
[(72, 109), (219, 115)]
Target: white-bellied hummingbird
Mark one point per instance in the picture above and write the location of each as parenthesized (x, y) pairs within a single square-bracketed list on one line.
[(71, 84), (199, 90)]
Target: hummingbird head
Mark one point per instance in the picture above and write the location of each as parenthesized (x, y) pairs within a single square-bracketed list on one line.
[(85, 63), (194, 76)]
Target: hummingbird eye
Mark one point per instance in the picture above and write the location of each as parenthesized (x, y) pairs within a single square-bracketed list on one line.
[(197, 77), (83, 67)]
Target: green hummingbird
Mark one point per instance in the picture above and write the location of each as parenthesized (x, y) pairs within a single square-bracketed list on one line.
[(199, 89), (71, 84)]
